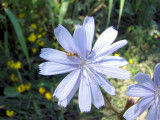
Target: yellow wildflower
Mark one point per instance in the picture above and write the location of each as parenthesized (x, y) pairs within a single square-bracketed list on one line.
[(54, 45), (34, 50), (32, 37), (39, 36), (116, 54), (44, 33), (48, 96), (130, 61), (40, 29), (54, 38), (40, 43), (27, 86), (17, 65), (13, 78), (10, 63), (42, 90), (21, 88), (155, 36), (21, 15), (62, 49), (9, 113), (33, 26)]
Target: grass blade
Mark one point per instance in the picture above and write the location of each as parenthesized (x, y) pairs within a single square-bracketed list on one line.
[(7, 53), (120, 12), (37, 108), (50, 6), (19, 33), (63, 10), (109, 11)]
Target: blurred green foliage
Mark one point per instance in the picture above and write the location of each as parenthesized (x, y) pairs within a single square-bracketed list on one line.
[(26, 26)]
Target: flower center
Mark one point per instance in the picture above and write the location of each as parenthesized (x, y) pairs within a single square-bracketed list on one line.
[(83, 64), (157, 93)]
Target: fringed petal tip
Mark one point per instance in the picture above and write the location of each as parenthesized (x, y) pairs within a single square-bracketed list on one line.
[(60, 103), (113, 93), (125, 41), (45, 74), (44, 51), (59, 25), (85, 111), (112, 28), (56, 96), (87, 18), (100, 106)]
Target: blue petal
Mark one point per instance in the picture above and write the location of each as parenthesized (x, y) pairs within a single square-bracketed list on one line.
[(89, 26), (145, 80), (52, 68), (67, 84), (84, 93), (112, 61), (157, 75), (105, 39), (80, 41), (109, 50), (105, 84), (97, 97), (152, 112), (136, 110), (57, 56), (64, 38), (137, 90), (60, 89), (112, 71)]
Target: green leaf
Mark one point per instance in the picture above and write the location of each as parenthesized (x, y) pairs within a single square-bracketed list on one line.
[(120, 12), (11, 91), (37, 108), (2, 16), (109, 11), (51, 13), (63, 10), (18, 32), (7, 53)]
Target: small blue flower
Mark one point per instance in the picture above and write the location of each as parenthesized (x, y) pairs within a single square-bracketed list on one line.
[(150, 91), (88, 66)]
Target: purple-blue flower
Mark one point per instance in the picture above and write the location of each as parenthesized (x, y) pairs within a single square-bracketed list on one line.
[(150, 91), (87, 66)]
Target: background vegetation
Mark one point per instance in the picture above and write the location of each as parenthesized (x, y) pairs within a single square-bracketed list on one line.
[(26, 26)]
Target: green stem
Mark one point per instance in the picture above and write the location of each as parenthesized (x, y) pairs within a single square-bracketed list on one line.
[(20, 77), (113, 109)]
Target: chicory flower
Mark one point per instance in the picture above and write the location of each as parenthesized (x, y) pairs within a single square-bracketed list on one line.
[(150, 91), (87, 66)]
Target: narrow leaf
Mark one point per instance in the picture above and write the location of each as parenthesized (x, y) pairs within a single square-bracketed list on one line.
[(63, 10), (109, 11), (120, 12), (51, 6), (18, 32), (7, 53), (37, 108), (2, 16)]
